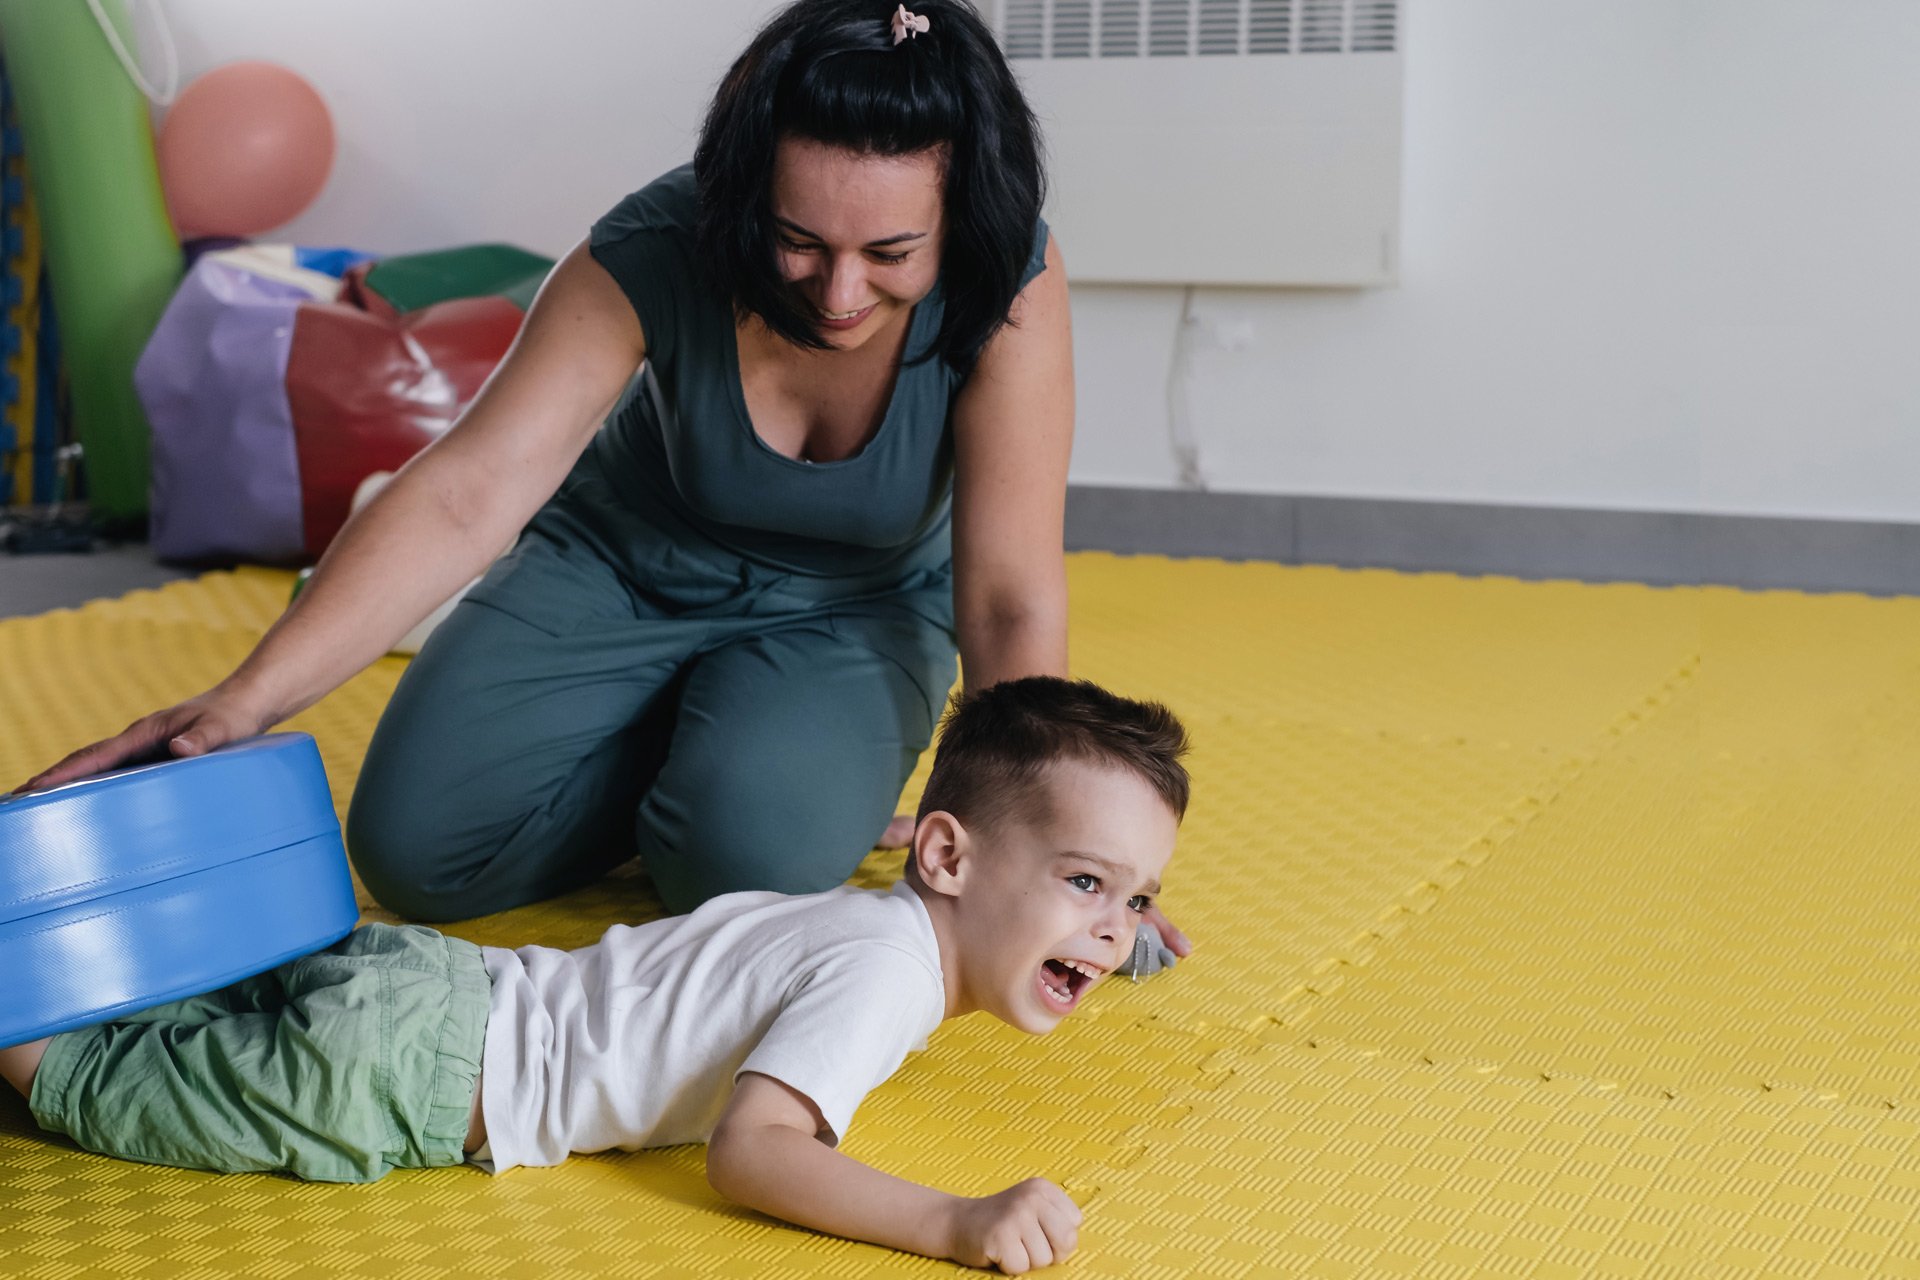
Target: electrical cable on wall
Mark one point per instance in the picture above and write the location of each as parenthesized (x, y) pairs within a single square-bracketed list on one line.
[(1185, 445)]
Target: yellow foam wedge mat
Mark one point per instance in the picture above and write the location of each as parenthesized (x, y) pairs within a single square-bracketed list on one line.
[(1543, 929)]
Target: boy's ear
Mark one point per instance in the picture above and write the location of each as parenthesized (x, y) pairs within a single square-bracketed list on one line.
[(939, 852)]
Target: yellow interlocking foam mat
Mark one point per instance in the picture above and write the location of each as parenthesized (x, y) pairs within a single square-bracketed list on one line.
[(1544, 929)]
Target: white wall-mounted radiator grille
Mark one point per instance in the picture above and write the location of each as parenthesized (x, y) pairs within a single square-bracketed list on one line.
[(1067, 28), (1218, 141)]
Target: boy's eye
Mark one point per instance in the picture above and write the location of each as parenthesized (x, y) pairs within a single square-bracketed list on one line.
[(1092, 884), (1139, 902)]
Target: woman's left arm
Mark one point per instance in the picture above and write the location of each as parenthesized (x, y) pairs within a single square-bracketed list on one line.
[(1012, 436)]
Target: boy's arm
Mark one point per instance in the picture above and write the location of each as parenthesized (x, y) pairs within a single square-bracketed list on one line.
[(764, 1154)]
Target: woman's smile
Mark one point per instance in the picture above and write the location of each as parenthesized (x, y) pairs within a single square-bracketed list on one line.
[(846, 320)]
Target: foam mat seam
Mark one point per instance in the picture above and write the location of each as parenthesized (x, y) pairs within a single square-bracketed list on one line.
[(1297, 1006)]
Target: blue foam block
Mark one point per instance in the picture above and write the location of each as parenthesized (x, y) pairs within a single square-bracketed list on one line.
[(149, 884)]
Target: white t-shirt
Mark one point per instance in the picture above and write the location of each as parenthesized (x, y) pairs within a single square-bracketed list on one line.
[(636, 1040)]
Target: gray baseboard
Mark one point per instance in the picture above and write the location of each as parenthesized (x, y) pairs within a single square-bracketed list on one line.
[(1663, 548), (36, 583)]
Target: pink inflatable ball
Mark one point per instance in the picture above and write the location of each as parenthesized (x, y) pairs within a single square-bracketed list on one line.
[(245, 148)]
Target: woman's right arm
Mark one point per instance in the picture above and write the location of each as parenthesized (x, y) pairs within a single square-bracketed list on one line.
[(444, 517)]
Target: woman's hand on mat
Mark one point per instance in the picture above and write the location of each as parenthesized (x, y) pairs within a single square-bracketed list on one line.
[(1031, 1225), (190, 728), (1177, 942), (899, 833)]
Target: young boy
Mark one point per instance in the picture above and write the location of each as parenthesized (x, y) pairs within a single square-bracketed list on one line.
[(756, 1024)]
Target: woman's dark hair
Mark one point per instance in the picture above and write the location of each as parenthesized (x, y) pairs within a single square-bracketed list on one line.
[(828, 70), (997, 743)]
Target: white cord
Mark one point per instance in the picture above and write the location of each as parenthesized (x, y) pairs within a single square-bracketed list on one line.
[(168, 55), (1186, 448)]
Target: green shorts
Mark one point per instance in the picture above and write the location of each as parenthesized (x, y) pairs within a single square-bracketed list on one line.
[(335, 1067)]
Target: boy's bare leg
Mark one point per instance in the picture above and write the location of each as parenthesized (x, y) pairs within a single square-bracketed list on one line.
[(19, 1063), (476, 1122)]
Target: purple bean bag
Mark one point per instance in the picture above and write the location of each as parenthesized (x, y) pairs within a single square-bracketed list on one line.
[(226, 476)]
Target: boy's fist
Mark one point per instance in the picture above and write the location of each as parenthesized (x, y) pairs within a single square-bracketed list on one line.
[(1026, 1226)]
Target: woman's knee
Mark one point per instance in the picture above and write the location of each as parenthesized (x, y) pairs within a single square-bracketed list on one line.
[(727, 843), (422, 863), (392, 848), (419, 855), (781, 783), (401, 824)]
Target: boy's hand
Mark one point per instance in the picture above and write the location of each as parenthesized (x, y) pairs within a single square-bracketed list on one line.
[(1022, 1228)]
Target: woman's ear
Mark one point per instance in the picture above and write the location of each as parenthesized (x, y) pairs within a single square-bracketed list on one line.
[(939, 852)]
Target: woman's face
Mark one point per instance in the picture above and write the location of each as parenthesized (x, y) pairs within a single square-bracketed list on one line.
[(859, 236)]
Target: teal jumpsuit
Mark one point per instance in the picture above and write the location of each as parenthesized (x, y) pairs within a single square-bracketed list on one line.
[(700, 650)]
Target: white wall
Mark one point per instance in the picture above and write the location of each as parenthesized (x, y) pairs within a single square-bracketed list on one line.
[(1658, 254), (468, 120)]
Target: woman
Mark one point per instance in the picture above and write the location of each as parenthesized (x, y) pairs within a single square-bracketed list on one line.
[(731, 622)]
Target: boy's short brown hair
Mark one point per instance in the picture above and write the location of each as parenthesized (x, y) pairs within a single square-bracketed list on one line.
[(997, 743)]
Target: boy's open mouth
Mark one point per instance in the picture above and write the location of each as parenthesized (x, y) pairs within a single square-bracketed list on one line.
[(1065, 980)]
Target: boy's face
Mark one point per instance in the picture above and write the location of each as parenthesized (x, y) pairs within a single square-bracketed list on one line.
[(1049, 908)]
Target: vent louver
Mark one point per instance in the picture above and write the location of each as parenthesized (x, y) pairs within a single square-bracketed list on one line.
[(1024, 30), (1073, 28), (1170, 28), (1323, 26), (1375, 25), (1270, 26), (1046, 29), (1219, 31)]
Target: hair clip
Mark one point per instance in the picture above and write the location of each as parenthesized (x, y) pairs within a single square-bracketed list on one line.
[(907, 24)]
